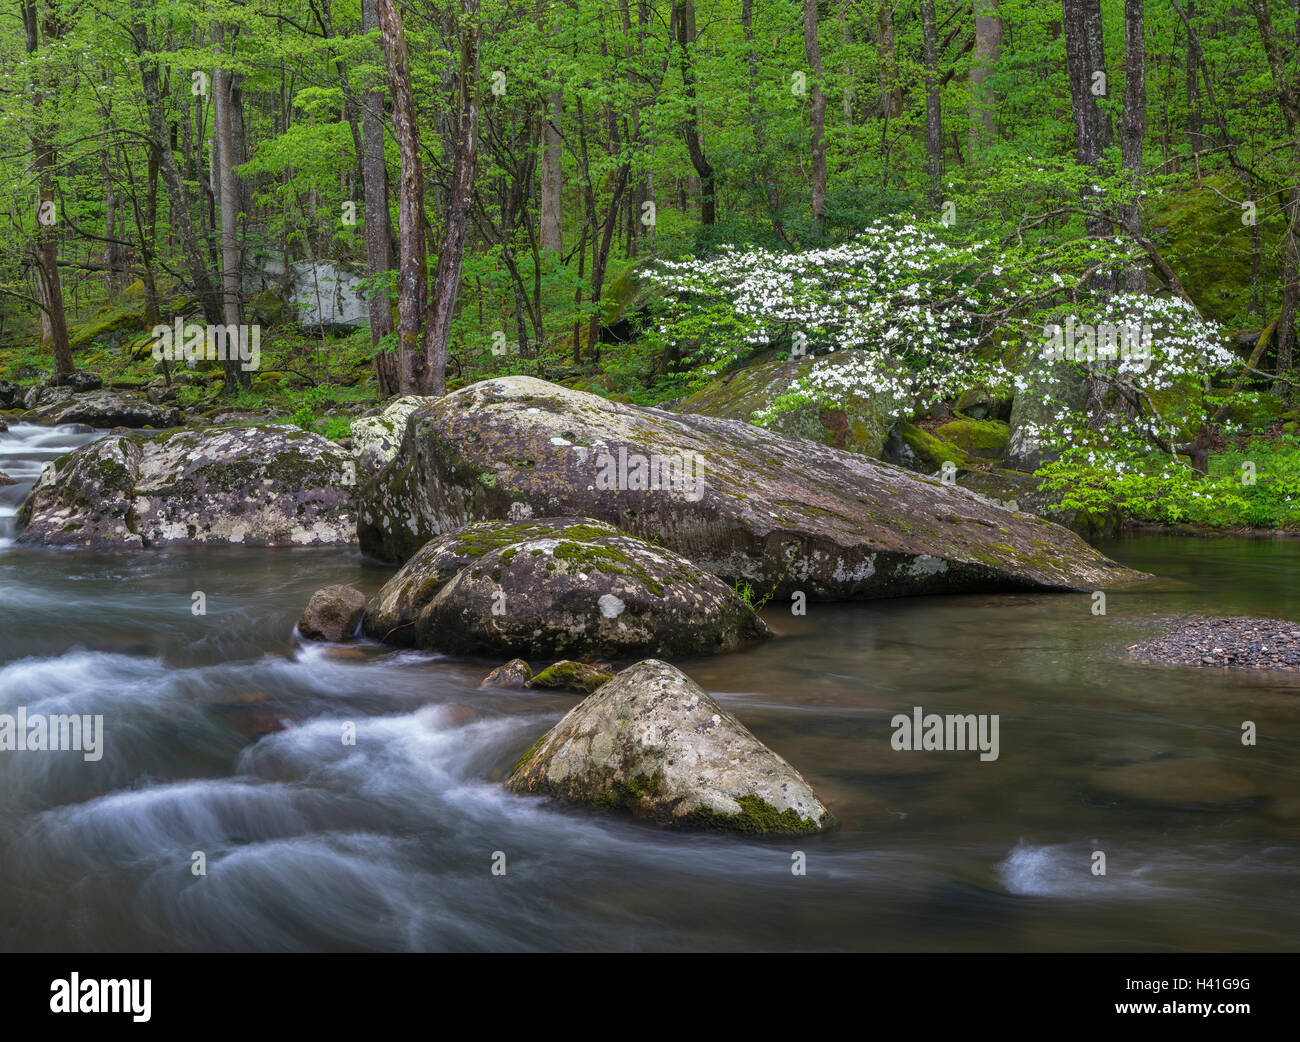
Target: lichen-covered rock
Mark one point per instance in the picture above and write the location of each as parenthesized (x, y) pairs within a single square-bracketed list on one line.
[(584, 591), (859, 423), (84, 381), (391, 613), (653, 742), (259, 486), (737, 500), (573, 676), (100, 409), (332, 614), (376, 439), (514, 674), (1044, 387)]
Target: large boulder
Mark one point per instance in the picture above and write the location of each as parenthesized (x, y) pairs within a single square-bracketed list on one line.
[(259, 486), (1043, 388), (376, 439), (393, 611), (10, 394), (860, 423), (743, 503), (576, 587), (654, 742), (101, 409)]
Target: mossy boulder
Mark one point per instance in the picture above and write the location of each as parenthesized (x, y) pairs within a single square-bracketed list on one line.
[(572, 676), (654, 743), (860, 423), (256, 486), (113, 325), (333, 614), (1202, 236), (978, 439), (745, 504), (392, 612), (918, 449), (575, 592)]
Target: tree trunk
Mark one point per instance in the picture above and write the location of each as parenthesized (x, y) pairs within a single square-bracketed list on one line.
[(446, 286), (891, 91), (933, 115), (227, 188), (1087, 147), (47, 245), (817, 115), (1097, 64), (988, 49), (412, 275), (1133, 124), (684, 20), (379, 248)]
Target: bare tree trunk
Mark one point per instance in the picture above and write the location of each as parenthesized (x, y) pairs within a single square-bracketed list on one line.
[(412, 276), (891, 91), (1133, 124), (446, 286), (47, 245), (552, 181), (684, 20), (933, 114), (228, 190), (1194, 137), (379, 247), (988, 49), (1097, 64), (817, 115), (1087, 147), (771, 190)]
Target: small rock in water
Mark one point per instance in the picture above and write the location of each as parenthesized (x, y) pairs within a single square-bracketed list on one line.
[(333, 614), (515, 673)]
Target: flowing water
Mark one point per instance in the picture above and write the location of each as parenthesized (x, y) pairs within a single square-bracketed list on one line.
[(223, 735)]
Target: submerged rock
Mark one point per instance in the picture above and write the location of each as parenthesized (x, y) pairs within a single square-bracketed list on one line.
[(565, 587), (737, 500), (573, 676), (332, 614), (259, 486), (653, 742), (514, 674)]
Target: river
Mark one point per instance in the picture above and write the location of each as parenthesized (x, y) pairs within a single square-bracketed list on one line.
[(223, 737)]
